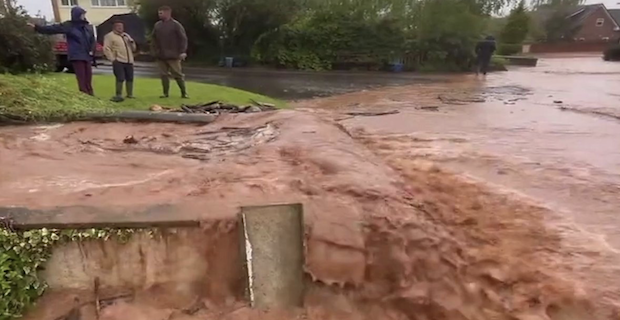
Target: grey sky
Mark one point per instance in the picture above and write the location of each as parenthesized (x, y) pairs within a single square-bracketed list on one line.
[(45, 6)]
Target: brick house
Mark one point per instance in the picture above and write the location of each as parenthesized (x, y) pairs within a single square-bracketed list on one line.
[(595, 23)]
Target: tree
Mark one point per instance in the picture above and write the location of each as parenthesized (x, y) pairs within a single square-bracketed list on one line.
[(517, 27), (313, 33), (556, 3), (22, 49), (197, 16), (242, 22), (552, 18)]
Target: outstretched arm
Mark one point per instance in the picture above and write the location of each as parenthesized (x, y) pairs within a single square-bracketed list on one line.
[(51, 29)]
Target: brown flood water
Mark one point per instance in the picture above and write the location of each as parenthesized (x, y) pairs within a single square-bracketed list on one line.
[(481, 199), (550, 134)]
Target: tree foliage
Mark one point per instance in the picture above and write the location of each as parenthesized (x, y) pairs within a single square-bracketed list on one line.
[(197, 16), (550, 19), (22, 49), (517, 27), (320, 34)]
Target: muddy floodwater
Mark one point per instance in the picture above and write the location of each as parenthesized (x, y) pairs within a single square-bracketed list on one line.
[(549, 134), (459, 198)]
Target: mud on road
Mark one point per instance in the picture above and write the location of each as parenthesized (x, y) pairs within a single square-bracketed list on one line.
[(479, 199), (386, 237)]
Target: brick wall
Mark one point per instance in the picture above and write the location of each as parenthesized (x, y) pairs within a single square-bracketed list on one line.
[(590, 31), (568, 47)]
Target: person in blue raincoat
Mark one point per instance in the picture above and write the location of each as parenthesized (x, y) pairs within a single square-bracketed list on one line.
[(81, 45)]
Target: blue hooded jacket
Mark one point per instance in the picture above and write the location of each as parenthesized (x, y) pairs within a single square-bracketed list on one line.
[(80, 37)]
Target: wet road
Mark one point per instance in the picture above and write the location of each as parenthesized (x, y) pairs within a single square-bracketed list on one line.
[(549, 134), (292, 85)]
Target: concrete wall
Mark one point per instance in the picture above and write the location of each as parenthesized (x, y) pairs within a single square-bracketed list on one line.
[(95, 14), (591, 32)]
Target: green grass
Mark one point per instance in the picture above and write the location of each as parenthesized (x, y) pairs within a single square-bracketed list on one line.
[(55, 97)]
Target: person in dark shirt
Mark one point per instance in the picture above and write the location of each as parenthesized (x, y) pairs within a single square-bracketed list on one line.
[(81, 45), (484, 52), (169, 46)]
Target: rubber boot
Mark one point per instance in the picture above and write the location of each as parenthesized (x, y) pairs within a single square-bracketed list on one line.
[(165, 84), (119, 92), (129, 86), (181, 84)]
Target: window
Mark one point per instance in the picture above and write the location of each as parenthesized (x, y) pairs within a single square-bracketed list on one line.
[(600, 22), (108, 3), (68, 3)]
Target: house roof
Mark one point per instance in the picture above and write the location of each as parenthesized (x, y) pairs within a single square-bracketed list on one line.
[(583, 12), (615, 14), (579, 16)]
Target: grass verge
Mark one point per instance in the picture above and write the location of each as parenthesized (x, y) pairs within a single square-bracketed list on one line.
[(44, 98)]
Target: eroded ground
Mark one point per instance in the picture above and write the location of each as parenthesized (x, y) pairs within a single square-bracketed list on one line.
[(480, 199)]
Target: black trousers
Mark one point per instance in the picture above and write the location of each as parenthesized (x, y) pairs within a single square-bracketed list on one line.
[(122, 71), (483, 63)]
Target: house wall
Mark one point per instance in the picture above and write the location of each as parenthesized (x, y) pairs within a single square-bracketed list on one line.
[(568, 47), (95, 15), (591, 32)]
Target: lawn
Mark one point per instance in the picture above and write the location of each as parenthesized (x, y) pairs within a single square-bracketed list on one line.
[(148, 90), (55, 97)]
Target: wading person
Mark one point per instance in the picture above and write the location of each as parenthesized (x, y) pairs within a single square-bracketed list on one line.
[(169, 46), (484, 52), (81, 46), (119, 47)]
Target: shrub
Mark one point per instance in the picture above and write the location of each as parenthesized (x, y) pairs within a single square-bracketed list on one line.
[(498, 64), (612, 53), (22, 49), (508, 49)]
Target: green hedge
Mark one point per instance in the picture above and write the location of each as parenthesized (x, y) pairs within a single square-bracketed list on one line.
[(508, 49), (22, 50)]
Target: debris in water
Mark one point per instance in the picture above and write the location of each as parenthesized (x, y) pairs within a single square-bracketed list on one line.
[(460, 101), (372, 114), (558, 101), (429, 108), (130, 140), (218, 107)]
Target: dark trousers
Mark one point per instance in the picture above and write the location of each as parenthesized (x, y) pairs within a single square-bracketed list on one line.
[(122, 71), (84, 75), (483, 64)]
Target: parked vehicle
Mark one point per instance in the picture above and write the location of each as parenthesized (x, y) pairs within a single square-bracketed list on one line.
[(59, 47)]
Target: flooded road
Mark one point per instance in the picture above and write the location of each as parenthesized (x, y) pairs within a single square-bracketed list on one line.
[(550, 135), (469, 198), (291, 85)]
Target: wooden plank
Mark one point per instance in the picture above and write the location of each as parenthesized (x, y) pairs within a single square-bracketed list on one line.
[(273, 246)]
